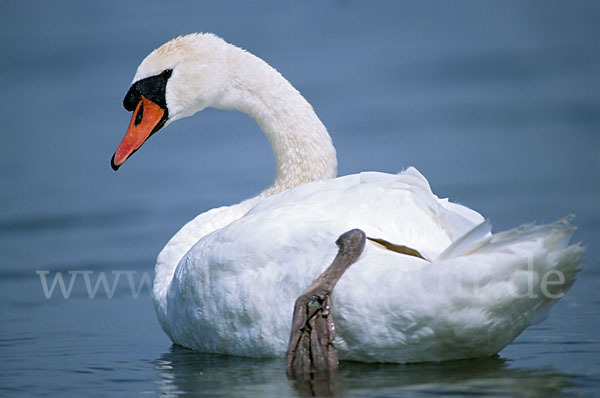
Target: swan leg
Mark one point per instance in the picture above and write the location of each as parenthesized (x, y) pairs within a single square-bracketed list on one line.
[(409, 251), (313, 331)]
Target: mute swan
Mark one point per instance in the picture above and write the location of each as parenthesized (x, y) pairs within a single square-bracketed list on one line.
[(227, 281)]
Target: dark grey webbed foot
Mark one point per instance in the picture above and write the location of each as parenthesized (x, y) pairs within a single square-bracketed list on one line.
[(313, 331)]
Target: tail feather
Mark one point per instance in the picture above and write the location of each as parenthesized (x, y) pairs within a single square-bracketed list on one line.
[(525, 254), (472, 240)]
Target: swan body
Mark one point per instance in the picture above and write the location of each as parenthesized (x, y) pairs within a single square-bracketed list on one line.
[(227, 281)]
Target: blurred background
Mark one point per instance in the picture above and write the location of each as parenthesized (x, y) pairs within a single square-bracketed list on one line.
[(496, 103)]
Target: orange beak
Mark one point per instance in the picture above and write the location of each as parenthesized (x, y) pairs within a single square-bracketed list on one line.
[(146, 120)]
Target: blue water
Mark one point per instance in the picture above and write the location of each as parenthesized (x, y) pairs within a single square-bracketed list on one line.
[(497, 103)]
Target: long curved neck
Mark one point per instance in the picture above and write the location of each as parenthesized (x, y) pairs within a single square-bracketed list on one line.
[(300, 143)]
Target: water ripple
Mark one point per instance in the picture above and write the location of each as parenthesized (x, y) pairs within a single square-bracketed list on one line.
[(46, 223)]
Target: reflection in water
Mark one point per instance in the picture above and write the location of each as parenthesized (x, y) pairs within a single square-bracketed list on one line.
[(182, 371), (316, 385)]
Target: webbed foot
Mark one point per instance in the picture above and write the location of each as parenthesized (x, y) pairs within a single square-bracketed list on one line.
[(311, 346)]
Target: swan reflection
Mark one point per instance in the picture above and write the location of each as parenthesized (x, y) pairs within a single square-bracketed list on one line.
[(182, 371)]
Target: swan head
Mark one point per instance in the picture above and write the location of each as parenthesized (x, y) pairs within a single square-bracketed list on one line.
[(178, 79)]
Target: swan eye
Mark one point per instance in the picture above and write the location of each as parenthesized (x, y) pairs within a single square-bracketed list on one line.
[(131, 99), (152, 87), (166, 74)]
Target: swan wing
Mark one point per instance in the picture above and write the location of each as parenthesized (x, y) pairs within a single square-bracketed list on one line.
[(234, 291)]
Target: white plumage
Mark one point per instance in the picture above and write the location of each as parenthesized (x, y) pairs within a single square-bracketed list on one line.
[(234, 290), (227, 281)]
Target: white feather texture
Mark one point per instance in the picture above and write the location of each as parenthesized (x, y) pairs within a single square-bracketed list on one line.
[(227, 281)]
